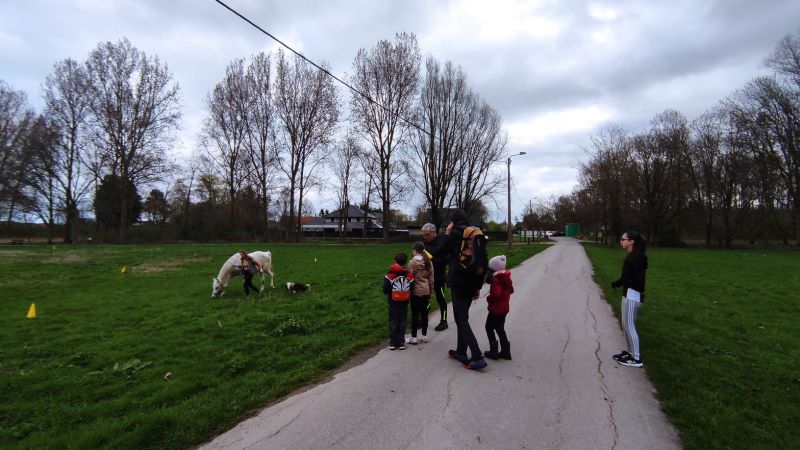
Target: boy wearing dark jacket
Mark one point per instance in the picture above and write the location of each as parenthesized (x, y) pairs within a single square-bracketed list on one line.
[(397, 285), (498, 299)]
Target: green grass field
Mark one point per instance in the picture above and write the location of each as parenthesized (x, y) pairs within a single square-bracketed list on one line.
[(720, 341), (92, 369)]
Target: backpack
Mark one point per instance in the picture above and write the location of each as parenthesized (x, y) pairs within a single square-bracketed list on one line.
[(473, 256), (401, 288)]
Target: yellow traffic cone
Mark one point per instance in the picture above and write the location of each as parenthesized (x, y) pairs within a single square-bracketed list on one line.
[(32, 311)]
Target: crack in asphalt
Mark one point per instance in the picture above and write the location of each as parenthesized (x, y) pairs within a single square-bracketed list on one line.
[(603, 385)]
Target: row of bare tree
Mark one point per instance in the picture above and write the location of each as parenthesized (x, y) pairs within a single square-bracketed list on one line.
[(113, 115), (733, 173), (275, 128)]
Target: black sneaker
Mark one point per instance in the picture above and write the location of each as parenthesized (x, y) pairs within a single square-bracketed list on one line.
[(392, 347), (621, 356), (491, 354), (402, 347), (462, 358), (442, 326), (630, 361)]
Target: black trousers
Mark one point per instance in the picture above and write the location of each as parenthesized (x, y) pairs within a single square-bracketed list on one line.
[(462, 300), (397, 323), (496, 324), (419, 314), (438, 290), (248, 282)]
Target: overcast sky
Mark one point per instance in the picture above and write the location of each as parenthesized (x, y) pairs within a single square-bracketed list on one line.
[(554, 70)]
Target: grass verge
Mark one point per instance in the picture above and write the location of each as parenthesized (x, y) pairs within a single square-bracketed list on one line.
[(719, 338)]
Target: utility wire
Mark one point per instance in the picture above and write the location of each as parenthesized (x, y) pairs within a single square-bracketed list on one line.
[(325, 71)]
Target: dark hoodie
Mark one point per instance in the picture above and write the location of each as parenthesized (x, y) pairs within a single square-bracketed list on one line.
[(457, 277)]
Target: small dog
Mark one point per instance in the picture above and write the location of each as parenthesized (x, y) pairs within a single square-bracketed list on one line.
[(297, 287)]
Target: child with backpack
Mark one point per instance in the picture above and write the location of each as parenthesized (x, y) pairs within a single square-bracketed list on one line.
[(498, 304), (397, 285), (421, 268)]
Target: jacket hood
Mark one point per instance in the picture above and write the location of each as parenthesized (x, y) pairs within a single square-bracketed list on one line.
[(397, 268)]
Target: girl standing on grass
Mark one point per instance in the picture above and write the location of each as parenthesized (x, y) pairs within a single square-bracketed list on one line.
[(632, 279), (422, 269)]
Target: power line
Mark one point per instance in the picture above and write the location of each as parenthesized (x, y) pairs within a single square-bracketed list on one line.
[(323, 70)]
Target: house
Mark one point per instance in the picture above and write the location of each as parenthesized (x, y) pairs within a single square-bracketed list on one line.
[(354, 221)]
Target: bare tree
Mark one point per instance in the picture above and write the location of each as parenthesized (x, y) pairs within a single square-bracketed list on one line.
[(43, 199), (779, 99), (307, 106), (442, 109), (225, 132), (344, 165), (16, 119), (704, 164), (388, 75), (260, 139), (659, 156), (135, 106), (481, 142), (607, 178), (67, 110)]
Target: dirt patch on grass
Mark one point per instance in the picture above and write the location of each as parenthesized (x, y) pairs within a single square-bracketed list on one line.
[(168, 265)]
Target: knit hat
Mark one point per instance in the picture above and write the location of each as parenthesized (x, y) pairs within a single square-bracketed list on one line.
[(498, 263)]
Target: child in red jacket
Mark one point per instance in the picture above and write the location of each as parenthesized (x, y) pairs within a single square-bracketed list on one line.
[(498, 300)]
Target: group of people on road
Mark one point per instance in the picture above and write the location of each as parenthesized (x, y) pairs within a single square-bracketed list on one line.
[(425, 276), (415, 282)]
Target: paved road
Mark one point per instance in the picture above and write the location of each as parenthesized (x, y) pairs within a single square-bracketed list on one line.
[(562, 390)]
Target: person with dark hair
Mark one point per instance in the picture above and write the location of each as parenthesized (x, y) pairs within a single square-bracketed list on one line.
[(436, 246), (632, 280), (397, 285), (464, 287), (249, 268)]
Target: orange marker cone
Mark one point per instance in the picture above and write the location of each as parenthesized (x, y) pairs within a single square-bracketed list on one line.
[(32, 311)]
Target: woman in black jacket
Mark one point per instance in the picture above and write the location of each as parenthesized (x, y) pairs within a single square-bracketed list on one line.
[(632, 280)]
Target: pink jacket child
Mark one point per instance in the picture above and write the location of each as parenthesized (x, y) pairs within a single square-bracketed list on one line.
[(500, 290)]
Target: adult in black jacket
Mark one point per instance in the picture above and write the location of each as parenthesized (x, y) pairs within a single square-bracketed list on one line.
[(437, 247), (632, 281), (464, 286)]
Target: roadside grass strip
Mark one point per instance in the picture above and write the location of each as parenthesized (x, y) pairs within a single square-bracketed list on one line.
[(720, 342), (127, 350)]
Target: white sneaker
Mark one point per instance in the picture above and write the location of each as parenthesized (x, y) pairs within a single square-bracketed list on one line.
[(412, 340), (424, 339)]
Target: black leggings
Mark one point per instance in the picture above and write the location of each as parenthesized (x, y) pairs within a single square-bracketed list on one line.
[(248, 282), (496, 323), (438, 290), (419, 314)]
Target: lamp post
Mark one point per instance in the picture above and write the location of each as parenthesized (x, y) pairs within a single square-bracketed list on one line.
[(508, 168)]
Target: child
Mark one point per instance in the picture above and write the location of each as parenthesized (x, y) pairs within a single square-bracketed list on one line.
[(422, 270), (397, 286), (249, 267), (634, 268), (498, 300)]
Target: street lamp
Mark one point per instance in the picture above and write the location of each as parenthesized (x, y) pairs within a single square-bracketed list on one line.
[(508, 167)]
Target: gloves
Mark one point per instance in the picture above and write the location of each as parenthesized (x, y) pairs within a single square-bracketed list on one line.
[(616, 284)]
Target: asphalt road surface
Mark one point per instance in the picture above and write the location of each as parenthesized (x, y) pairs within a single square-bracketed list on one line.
[(561, 391)]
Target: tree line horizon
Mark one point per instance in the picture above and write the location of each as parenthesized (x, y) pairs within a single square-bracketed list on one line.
[(274, 126)]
